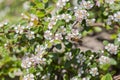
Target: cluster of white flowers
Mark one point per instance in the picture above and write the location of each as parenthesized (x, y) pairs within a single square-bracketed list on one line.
[(80, 58), (3, 23), (86, 78), (104, 60), (109, 1), (73, 34), (74, 78), (54, 19), (48, 35), (58, 36), (35, 59), (68, 55), (118, 38), (110, 19), (111, 48), (27, 62), (33, 19), (30, 35), (94, 71), (46, 77), (61, 3), (80, 71), (19, 29), (90, 21), (81, 14), (40, 49), (29, 77), (115, 17), (86, 4), (26, 5)]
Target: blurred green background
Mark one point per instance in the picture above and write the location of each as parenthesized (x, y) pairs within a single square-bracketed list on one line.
[(11, 10)]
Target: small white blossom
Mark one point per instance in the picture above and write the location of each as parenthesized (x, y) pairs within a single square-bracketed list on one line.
[(3, 23), (48, 35), (66, 17), (111, 48), (33, 17), (19, 29), (40, 49), (26, 5), (28, 77), (104, 60), (109, 1), (26, 63), (86, 4), (80, 71), (30, 35), (118, 37), (58, 36), (94, 71), (80, 58), (61, 3), (68, 55), (74, 78), (81, 14), (117, 16), (46, 77), (86, 78), (90, 21), (24, 16)]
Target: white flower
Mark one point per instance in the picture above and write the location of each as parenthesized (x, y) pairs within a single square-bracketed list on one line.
[(40, 49), (68, 55), (19, 29), (66, 17), (61, 3), (51, 24), (86, 4), (35, 59), (26, 5), (3, 23), (62, 30), (118, 37), (90, 21), (117, 16), (86, 78), (111, 48), (46, 77), (30, 35), (94, 71), (80, 58), (58, 36), (109, 1), (48, 35), (104, 60), (81, 14), (80, 71), (33, 17), (24, 16), (74, 78), (26, 63), (28, 77)]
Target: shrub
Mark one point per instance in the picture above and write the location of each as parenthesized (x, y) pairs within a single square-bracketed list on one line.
[(46, 41)]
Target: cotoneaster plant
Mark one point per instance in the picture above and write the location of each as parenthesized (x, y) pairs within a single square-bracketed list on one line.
[(46, 40)]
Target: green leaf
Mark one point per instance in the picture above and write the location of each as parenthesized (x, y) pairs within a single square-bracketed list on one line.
[(45, 1), (113, 62), (107, 77), (40, 14), (40, 5), (105, 42)]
